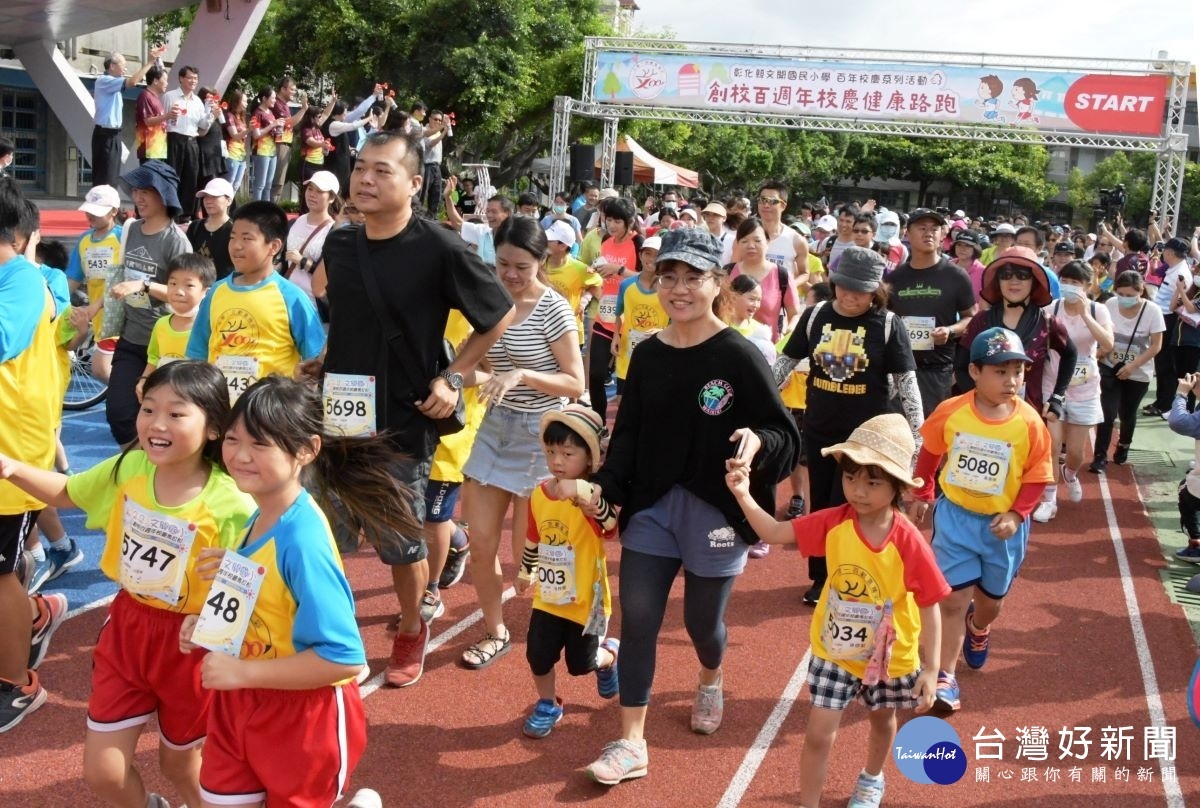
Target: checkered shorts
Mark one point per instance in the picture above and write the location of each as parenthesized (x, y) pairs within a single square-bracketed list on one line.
[(833, 688)]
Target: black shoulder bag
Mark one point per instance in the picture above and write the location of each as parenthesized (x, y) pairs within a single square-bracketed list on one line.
[(402, 347)]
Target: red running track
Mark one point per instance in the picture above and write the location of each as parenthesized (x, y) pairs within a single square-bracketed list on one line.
[(1065, 654)]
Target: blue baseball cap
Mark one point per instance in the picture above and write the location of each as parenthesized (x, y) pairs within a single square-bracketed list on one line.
[(995, 346)]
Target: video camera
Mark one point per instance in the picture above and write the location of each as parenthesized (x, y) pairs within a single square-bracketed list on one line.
[(1112, 202)]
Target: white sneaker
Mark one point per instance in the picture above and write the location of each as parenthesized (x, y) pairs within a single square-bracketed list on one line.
[(1045, 511), (365, 798), (1074, 489)]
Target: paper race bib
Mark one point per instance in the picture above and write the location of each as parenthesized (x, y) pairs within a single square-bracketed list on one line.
[(608, 309), (1117, 355), (96, 261), (849, 630), (1081, 372), (240, 372), (556, 573), (978, 464), (226, 613), (154, 552), (349, 401), (920, 332), (636, 338)]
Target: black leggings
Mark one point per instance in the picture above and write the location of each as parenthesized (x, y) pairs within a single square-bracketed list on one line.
[(645, 585), (599, 364), (1119, 398), (824, 491), (121, 405)]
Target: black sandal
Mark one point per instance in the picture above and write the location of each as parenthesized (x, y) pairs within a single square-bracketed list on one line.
[(486, 651)]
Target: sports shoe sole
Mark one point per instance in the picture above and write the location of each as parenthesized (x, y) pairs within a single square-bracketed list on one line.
[(461, 560), (946, 706), (38, 700), (633, 775)]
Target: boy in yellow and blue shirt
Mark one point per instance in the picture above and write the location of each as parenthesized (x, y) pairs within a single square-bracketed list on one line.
[(254, 322), (564, 554), (999, 459), (640, 314), (189, 277)]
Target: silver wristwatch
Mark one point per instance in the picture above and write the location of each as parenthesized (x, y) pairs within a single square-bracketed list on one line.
[(455, 380)]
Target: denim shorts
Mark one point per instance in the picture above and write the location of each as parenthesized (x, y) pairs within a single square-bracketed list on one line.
[(683, 526), (508, 452)]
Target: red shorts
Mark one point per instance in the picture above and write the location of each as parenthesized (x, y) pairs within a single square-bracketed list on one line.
[(293, 748), (138, 670), (107, 345)]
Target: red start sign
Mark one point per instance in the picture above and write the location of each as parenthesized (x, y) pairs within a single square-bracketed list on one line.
[(1128, 105)]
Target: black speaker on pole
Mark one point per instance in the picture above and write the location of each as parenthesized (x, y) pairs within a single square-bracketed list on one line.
[(623, 175), (583, 163)]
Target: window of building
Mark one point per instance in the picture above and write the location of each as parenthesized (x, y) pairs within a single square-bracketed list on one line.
[(23, 121)]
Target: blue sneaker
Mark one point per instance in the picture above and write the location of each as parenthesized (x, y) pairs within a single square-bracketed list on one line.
[(946, 694), (868, 792), (545, 715), (607, 682), (1189, 554), (975, 643), (62, 560)]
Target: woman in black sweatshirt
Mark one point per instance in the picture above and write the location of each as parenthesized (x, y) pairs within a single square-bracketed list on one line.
[(697, 400)]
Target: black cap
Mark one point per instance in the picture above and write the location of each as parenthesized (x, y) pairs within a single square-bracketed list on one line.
[(1064, 247), (926, 213), (1177, 245)]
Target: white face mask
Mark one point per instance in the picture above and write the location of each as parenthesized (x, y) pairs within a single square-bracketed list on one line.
[(1071, 293)]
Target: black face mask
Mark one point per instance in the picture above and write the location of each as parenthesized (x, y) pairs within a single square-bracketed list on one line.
[(1008, 304)]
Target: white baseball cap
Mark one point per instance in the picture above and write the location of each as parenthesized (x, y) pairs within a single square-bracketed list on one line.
[(217, 187), (561, 231), (325, 181), (826, 223), (101, 200), (652, 243)]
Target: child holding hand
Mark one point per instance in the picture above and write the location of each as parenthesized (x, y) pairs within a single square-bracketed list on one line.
[(881, 643), (564, 553)]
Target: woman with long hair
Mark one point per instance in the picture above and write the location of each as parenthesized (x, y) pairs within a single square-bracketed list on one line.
[(235, 139)]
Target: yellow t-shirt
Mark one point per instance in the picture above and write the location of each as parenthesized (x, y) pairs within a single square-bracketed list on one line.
[(271, 322), (569, 280), (862, 579), (571, 558), (128, 511), (641, 313), (453, 450), (166, 344), (987, 460), (89, 265), (30, 402)]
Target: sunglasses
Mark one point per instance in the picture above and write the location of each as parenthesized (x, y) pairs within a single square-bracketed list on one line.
[(770, 200), (861, 232), (1014, 274)]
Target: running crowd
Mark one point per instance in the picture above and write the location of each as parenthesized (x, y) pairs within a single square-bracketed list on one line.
[(284, 395)]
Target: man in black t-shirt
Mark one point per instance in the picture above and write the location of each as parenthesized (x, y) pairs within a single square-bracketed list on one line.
[(934, 298), (380, 330)]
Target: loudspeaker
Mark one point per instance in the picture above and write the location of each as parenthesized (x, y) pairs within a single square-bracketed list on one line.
[(583, 163), (623, 175)]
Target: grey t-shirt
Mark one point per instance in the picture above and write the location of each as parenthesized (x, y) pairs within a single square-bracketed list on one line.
[(146, 258)]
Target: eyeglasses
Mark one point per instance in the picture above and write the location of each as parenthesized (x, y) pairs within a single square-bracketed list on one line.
[(770, 200), (1014, 274), (691, 282), (861, 231)]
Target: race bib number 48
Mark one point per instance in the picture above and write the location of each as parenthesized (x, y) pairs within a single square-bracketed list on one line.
[(231, 599)]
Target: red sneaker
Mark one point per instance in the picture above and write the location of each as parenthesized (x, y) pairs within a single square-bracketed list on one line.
[(408, 658)]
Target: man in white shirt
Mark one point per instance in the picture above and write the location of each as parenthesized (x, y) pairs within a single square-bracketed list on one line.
[(188, 118), (436, 131)]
